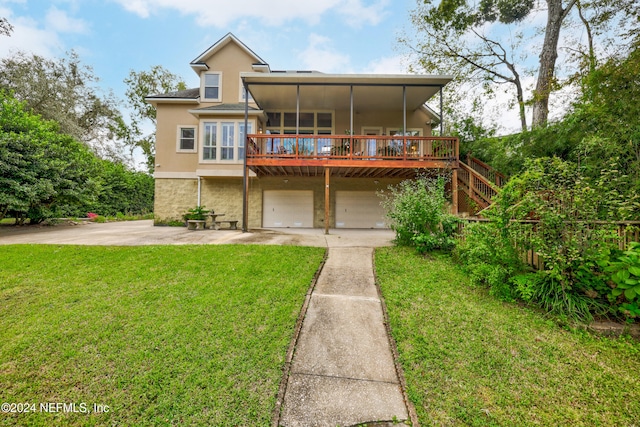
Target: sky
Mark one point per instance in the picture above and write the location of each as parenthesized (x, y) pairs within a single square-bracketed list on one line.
[(331, 36), (116, 36)]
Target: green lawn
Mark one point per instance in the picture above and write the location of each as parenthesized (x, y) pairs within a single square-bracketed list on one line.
[(472, 360), (162, 335)]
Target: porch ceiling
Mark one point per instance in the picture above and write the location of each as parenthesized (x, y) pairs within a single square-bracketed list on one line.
[(278, 91)]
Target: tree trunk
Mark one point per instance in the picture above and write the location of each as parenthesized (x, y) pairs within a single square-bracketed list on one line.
[(520, 97), (555, 16)]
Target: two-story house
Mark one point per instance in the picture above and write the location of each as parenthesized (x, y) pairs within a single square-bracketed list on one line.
[(292, 148)]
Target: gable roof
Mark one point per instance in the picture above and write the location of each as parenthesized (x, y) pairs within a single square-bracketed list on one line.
[(200, 62)]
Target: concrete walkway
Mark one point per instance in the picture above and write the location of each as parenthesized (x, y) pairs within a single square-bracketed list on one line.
[(343, 372)]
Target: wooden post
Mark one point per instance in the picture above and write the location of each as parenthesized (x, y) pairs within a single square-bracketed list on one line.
[(326, 200), (454, 191)]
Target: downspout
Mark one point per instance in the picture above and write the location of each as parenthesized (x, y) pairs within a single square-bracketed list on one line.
[(199, 191), (245, 178)]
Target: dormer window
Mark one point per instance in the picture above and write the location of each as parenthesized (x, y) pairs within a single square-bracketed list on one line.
[(211, 86)]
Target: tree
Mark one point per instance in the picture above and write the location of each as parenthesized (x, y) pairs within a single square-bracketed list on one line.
[(64, 90), (459, 37), (556, 14), (457, 40), (44, 173), (141, 84), (121, 191), (483, 41), (5, 27)]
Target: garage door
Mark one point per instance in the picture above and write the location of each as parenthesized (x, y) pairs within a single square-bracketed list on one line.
[(359, 209), (283, 208)]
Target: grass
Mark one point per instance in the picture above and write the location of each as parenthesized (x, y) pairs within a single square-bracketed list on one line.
[(474, 361), (162, 335)]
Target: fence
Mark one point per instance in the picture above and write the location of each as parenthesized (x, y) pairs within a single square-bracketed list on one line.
[(622, 232)]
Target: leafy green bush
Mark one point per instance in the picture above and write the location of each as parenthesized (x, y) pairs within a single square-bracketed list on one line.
[(623, 269), (549, 209), (488, 254), (198, 213), (47, 174), (418, 213)]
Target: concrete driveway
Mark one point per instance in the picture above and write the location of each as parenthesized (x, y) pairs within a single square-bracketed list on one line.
[(134, 233)]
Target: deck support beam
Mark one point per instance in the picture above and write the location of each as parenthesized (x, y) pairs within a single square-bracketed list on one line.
[(245, 174), (327, 174)]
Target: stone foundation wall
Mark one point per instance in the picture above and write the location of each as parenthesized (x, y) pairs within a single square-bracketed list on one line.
[(174, 197), (224, 196)]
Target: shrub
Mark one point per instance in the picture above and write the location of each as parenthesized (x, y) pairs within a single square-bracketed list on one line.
[(623, 271), (490, 257), (550, 209), (417, 210), (197, 213)]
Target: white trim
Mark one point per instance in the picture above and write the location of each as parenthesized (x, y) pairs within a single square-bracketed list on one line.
[(196, 63), (179, 137), (203, 87), (175, 175), (151, 100), (214, 173), (200, 112)]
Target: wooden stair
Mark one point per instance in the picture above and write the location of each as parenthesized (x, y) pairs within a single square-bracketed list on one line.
[(478, 183)]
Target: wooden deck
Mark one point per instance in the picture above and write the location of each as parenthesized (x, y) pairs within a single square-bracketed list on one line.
[(349, 156)]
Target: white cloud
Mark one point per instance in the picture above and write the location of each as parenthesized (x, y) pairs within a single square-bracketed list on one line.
[(389, 65), (29, 36), (58, 21), (273, 12), (356, 13), (321, 56), (40, 38)]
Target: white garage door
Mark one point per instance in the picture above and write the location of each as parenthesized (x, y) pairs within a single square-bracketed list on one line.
[(359, 209), (285, 208)]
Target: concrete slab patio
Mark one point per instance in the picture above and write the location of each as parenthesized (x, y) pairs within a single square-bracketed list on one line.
[(135, 233)]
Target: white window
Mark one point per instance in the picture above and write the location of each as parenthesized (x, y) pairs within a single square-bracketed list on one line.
[(224, 141), (409, 132), (228, 140), (212, 87), (309, 123), (209, 143), (186, 139)]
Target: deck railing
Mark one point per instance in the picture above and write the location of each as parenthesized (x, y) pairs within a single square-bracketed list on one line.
[(352, 147), (478, 188), (487, 171)]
